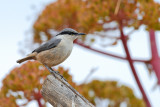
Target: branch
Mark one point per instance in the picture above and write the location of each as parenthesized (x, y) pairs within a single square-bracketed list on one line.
[(106, 53), (155, 62), (39, 103), (60, 94), (132, 66), (38, 96)]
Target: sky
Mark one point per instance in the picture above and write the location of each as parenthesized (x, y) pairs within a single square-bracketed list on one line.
[(17, 18)]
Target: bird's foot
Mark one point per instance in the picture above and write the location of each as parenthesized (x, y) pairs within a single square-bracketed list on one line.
[(54, 72), (60, 75)]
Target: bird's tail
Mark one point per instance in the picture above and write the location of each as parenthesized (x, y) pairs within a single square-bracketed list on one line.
[(29, 57)]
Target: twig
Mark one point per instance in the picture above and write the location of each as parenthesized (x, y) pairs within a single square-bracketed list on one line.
[(117, 7), (90, 73)]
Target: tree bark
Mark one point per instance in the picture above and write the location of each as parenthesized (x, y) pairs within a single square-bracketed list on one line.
[(60, 94)]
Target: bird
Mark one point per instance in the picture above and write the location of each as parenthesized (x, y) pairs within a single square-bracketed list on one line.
[(54, 51)]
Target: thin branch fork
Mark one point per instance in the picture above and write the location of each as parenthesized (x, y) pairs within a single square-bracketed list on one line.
[(59, 93), (132, 66)]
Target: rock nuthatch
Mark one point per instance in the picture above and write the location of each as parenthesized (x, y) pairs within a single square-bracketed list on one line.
[(56, 50)]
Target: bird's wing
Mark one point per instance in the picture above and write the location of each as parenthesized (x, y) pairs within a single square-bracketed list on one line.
[(48, 45)]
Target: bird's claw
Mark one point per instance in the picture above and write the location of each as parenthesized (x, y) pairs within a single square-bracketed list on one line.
[(54, 72), (60, 75)]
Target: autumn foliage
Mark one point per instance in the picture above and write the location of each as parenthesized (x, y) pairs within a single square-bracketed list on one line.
[(25, 82), (93, 17)]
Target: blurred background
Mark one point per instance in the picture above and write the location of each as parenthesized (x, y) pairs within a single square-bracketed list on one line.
[(100, 66)]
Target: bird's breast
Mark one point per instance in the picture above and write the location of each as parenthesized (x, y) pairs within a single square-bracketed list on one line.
[(56, 55), (63, 50)]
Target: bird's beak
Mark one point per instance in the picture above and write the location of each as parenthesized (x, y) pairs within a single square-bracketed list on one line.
[(81, 34)]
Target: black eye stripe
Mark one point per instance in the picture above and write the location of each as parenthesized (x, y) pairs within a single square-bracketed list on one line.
[(68, 32)]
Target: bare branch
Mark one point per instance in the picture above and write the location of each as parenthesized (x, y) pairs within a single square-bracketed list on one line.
[(108, 54)]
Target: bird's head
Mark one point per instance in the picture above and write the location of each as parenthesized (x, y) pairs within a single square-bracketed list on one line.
[(70, 33)]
